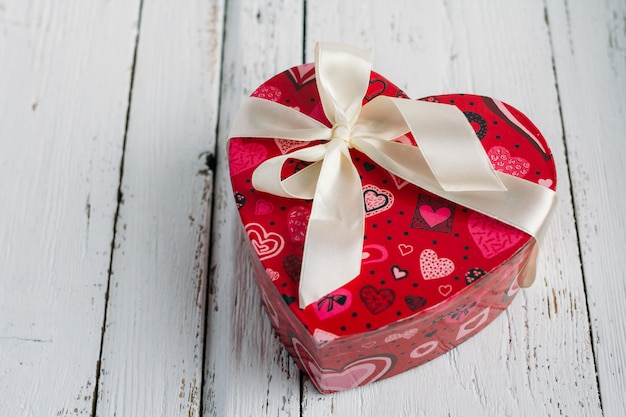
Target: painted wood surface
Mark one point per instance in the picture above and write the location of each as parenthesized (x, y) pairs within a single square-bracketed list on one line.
[(248, 372), (142, 302), (65, 70), (154, 332), (482, 47), (589, 45)]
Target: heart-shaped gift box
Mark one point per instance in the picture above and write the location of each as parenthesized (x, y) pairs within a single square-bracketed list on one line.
[(436, 261)]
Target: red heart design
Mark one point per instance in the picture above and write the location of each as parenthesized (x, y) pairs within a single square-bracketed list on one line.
[(502, 161), (297, 222), (286, 145), (375, 300), (266, 244), (263, 207), (445, 289), (242, 157), (376, 88), (491, 236), (434, 217), (405, 249), (414, 303)]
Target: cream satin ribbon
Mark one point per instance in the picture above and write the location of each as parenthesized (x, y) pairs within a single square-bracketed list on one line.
[(449, 161)]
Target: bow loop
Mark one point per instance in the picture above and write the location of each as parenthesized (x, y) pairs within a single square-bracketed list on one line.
[(342, 75)]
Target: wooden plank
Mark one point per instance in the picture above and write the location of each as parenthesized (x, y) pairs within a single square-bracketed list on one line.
[(62, 120), (537, 358), (153, 343), (590, 59), (248, 372)]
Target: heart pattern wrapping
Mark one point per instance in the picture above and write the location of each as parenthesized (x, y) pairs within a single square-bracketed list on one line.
[(433, 273)]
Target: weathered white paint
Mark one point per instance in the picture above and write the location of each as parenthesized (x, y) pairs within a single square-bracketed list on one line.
[(248, 373), (62, 117), (153, 340), (537, 359), (65, 71), (590, 59)]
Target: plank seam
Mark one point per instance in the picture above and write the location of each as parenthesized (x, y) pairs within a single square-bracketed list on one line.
[(120, 200), (571, 192), (212, 167)]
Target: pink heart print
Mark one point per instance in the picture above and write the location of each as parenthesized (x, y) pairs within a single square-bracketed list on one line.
[(242, 157), (297, 222), (286, 145), (434, 217), (263, 207), (376, 200), (491, 236), (434, 267), (501, 160), (268, 93), (398, 273)]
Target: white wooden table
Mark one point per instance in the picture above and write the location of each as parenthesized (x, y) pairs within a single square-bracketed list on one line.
[(125, 285)]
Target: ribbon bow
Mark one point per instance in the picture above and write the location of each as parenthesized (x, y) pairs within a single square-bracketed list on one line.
[(449, 161)]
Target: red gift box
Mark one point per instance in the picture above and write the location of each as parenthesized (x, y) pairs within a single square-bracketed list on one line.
[(433, 272)]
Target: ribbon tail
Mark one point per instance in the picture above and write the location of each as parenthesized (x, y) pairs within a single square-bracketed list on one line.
[(446, 151), (262, 118), (334, 238), (524, 205)]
